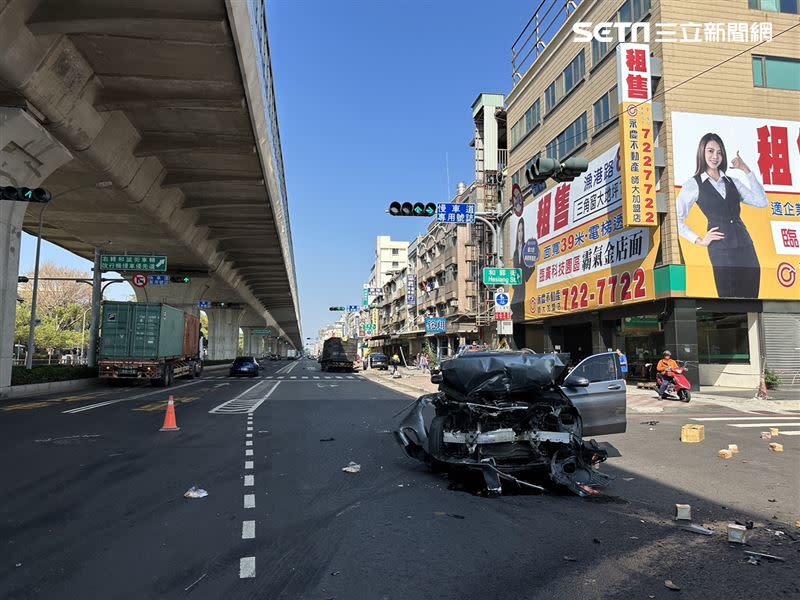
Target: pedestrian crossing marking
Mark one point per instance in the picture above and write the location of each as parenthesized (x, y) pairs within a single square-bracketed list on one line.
[(782, 424), (789, 433)]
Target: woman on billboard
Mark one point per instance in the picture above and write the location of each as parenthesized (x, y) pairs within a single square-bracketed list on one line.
[(737, 272), (518, 300)]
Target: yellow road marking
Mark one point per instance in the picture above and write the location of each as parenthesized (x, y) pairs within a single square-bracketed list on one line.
[(158, 406), (25, 406)]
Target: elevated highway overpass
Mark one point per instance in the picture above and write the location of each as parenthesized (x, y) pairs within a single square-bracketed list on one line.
[(153, 123)]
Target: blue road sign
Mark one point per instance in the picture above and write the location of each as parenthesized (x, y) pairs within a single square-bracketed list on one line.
[(460, 214), (435, 325), (352, 308), (204, 304), (501, 299), (158, 279)]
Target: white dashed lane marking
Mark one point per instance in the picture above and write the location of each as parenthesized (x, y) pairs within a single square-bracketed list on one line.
[(248, 530), (248, 452), (248, 464), (247, 567), (249, 500), (249, 480)]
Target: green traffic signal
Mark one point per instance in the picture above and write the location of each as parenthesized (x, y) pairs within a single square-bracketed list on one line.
[(23, 194), (417, 209)]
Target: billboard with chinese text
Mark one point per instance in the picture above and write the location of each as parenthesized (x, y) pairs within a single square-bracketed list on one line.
[(574, 251), (738, 205), (636, 136)]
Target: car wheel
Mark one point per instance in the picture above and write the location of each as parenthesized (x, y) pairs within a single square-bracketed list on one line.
[(685, 395), (436, 446)]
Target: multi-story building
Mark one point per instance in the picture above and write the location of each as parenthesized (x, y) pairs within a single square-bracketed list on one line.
[(724, 67), (390, 257)]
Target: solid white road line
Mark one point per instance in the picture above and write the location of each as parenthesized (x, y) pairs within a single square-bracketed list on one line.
[(291, 366), (247, 567), (248, 530), (248, 452), (249, 500), (761, 418), (248, 464), (249, 480), (109, 402), (764, 425)]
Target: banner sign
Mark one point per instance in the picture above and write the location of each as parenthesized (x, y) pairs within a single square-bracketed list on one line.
[(435, 325), (636, 136), (411, 290), (574, 251), (738, 205)]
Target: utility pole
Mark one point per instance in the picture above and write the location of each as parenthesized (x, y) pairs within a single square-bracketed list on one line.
[(97, 296), (34, 294)]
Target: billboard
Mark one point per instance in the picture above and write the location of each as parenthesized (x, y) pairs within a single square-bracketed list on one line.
[(636, 136), (738, 205), (574, 250)]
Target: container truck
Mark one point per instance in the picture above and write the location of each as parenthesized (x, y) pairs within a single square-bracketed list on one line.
[(338, 353), (153, 342)]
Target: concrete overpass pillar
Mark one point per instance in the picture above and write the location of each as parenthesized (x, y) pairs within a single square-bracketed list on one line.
[(251, 342), (223, 332), (28, 154)]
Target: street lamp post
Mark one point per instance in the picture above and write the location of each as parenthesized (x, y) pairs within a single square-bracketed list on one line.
[(83, 333)]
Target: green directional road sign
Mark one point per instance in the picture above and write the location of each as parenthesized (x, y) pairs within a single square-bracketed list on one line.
[(133, 262), (492, 276), (266, 331)]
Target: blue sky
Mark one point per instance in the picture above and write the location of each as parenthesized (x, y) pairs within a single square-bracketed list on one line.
[(372, 95)]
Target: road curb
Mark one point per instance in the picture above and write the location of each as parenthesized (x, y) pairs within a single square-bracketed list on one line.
[(398, 386), (33, 389)]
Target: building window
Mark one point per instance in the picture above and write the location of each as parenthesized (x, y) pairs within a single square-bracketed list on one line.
[(574, 73), (550, 97), (605, 109), (569, 139), (633, 11), (395, 264), (526, 123), (784, 6), (599, 50), (722, 338), (776, 73), (395, 251)]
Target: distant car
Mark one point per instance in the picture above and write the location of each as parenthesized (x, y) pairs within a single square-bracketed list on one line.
[(245, 365), (378, 361), (273, 357)]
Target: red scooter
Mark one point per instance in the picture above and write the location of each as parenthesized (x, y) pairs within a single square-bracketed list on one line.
[(680, 386)]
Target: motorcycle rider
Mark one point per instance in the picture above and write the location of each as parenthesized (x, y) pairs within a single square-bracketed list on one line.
[(664, 368)]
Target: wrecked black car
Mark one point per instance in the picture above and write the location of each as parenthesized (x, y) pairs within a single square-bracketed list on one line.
[(507, 414)]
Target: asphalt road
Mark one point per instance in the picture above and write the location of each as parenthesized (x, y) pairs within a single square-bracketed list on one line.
[(93, 503)]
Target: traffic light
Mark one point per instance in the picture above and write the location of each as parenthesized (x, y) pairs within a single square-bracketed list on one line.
[(23, 194), (572, 168), (407, 209), (179, 279), (22, 279), (338, 308), (543, 168)]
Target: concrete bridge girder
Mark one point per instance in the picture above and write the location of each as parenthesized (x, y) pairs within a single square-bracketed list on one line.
[(28, 154)]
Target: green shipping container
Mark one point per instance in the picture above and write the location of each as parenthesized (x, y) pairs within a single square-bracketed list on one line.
[(133, 330)]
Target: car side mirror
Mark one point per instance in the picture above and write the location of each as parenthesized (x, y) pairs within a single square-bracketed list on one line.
[(437, 377), (576, 381)]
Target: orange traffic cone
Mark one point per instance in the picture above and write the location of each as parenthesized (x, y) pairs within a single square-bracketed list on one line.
[(169, 419)]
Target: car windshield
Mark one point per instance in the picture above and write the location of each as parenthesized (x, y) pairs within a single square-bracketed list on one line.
[(378, 357)]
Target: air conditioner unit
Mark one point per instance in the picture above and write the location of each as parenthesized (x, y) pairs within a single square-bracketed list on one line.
[(454, 303)]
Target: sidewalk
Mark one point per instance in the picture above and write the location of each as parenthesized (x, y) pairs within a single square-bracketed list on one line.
[(640, 401)]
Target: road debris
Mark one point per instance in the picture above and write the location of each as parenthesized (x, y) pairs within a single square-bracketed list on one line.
[(752, 560), (570, 558), (671, 586), (330, 439), (693, 434), (746, 524), (651, 423), (774, 431), (726, 454), (737, 534), (733, 448), (628, 478), (335, 573), (694, 528), (439, 513), (767, 556), (195, 492), (776, 447), (352, 468), (195, 582), (683, 512), (766, 435), (771, 500)]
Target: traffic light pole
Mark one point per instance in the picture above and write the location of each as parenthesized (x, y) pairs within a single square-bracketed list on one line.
[(32, 324), (97, 296)]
